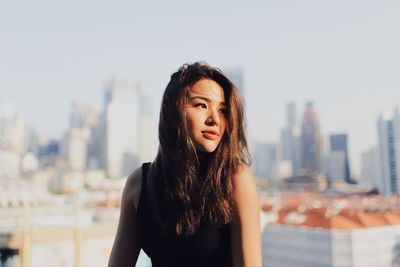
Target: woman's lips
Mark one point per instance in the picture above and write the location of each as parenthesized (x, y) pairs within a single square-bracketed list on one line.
[(211, 135)]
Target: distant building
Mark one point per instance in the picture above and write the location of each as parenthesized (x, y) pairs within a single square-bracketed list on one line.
[(74, 148), (311, 141), (291, 139), (129, 128), (334, 166), (15, 135), (389, 151), (265, 160), (318, 230), (370, 168), (9, 164), (38, 229), (338, 142), (82, 115), (121, 128), (299, 246)]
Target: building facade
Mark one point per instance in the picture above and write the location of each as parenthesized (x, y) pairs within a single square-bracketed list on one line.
[(389, 152)]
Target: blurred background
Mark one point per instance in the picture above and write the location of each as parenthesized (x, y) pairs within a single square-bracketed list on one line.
[(80, 90)]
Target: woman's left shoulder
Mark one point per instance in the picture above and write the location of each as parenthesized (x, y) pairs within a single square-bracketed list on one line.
[(244, 186), (243, 175)]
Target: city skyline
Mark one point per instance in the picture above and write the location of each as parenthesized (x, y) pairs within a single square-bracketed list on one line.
[(341, 55)]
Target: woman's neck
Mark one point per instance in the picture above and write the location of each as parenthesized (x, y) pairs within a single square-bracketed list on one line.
[(204, 160)]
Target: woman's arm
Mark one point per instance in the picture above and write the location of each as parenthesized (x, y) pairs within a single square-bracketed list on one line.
[(126, 245), (245, 228)]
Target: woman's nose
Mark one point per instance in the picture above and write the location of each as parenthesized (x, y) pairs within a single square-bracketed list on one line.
[(213, 118)]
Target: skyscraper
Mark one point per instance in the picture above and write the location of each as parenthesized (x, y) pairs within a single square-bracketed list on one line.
[(334, 166), (290, 139), (389, 152), (370, 168), (311, 142), (265, 160), (338, 142), (121, 114)]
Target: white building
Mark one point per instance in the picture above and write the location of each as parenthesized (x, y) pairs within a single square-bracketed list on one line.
[(9, 164), (75, 148), (14, 133), (299, 246), (331, 230), (122, 110), (291, 139)]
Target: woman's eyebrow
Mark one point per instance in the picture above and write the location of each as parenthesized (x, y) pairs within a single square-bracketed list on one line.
[(205, 99)]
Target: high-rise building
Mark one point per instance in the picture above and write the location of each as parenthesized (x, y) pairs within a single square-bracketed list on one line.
[(370, 168), (121, 128), (14, 133), (311, 141), (82, 115), (338, 142), (389, 152), (334, 166), (129, 128), (290, 139), (75, 146), (265, 160)]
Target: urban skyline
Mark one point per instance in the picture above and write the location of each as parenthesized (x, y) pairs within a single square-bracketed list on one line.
[(343, 55), (292, 146)]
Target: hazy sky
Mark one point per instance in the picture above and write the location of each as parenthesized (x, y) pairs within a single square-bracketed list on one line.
[(343, 55)]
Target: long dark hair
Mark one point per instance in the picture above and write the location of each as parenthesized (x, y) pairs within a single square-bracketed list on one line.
[(188, 191)]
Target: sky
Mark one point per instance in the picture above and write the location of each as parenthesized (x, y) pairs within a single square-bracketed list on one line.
[(342, 55)]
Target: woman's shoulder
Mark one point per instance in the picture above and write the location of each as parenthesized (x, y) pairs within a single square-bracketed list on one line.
[(133, 187), (242, 175), (244, 187)]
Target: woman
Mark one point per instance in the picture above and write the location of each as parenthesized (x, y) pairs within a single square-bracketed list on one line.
[(196, 204)]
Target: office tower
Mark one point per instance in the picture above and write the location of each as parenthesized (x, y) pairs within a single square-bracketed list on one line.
[(265, 160), (389, 151), (14, 134), (121, 128), (370, 168), (290, 139), (334, 166), (338, 142), (75, 146), (76, 142), (82, 115), (311, 142)]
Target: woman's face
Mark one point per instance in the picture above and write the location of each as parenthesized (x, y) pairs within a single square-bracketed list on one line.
[(205, 111)]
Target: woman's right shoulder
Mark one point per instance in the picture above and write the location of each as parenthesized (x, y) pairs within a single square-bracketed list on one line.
[(133, 187)]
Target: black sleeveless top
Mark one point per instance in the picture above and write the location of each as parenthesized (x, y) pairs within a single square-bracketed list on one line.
[(209, 246)]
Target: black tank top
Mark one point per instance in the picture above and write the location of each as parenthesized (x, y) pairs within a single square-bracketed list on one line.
[(209, 246)]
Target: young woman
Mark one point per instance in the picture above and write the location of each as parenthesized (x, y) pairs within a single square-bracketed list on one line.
[(196, 204)]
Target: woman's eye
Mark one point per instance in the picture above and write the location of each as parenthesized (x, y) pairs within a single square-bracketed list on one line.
[(201, 105), (223, 111)]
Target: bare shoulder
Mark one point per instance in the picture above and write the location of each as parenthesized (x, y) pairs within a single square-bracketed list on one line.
[(243, 177), (133, 187), (244, 187)]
